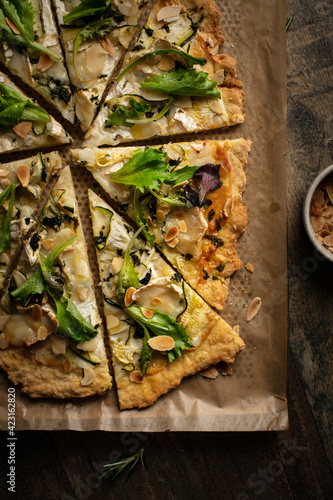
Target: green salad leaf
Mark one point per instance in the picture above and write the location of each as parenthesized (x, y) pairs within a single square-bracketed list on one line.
[(153, 118), (176, 199), (120, 116), (71, 322), (21, 13), (146, 352), (163, 324), (5, 224), (141, 219), (190, 60), (128, 276), (183, 81), (87, 8), (7, 192), (93, 30), (16, 107), (145, 170), (183, 174)]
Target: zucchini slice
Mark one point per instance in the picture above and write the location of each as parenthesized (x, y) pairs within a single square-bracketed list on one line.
[(86, 355), (102, 218)]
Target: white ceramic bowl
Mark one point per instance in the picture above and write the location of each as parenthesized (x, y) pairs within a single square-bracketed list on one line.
[(328, 172)]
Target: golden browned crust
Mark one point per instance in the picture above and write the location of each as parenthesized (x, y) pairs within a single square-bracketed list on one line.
[(220, 343), (48, 381)]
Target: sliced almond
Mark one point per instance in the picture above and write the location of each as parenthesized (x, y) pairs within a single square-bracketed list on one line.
[(173, 243), (22, 129), (319, 196), (217, 106), (160, 216), (111, 321), (171, 233), (182, 226), (3, 172), (166, 63), (58, 344), (236, 329), (82, 292), (3, 341), (328, 240), (165, 208), (12, 26), (317, 223), (66, 366), (107, 45), (88, 376), (128, 296), (168, 13), (48, 243), (85, 109), (147, 313), (36, 312), (5, 183), (117, 264), (210, 372), (19, 278), (135, 376), (253, 308), (227, 207), (329, 190), (23, 174), (156, 300), (162, 343), (45, 62), (42, 333)]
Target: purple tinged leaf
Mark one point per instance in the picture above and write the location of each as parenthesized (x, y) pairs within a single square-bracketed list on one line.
[(209, 180)]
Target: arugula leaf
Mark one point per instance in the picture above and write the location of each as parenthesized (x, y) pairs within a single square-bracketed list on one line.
[(159, 115), (176, 199), (71, 322), (21, 13), (181, 175), (5, 225), (25, 38), (162, 324), (145, 170), (10, 116), (6, 193), (183, 81), (16, 107), (190, 60), (95, 29), (87, 8), (128, 276), (141, 219), (146, 352), (121, 116)]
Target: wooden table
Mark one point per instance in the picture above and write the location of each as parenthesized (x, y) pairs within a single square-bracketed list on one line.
[(291, 464)]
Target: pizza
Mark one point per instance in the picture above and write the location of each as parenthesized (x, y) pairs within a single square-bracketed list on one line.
[(52, 336), (30, 49), (21, 186), (173, 81), (24, 124), (188, 195), (159, 329), (95, 35)]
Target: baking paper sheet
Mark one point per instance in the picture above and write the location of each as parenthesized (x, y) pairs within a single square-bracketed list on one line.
[(254, 397)]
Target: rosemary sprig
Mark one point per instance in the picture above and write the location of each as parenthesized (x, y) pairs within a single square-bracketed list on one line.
[(117, 467), (288, 22)]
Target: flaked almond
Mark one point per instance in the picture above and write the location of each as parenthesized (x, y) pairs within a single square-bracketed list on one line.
[(66, 366), (23, 174), (253, 308), (111, 321), (162, 343), (88, 376), (329, 190), (19, 278), (147, 313), (48, 243), (42, 333), (128, 296), (22, 129), (328, 212), (5, 183), (182, 226), (236, 329), (249, 267), (160, 216), (316, 208), (58, 344), (3, 341), (150, 221), (328, 240), (156, 301), (107, 45), (3, 172), (135, 376), (317, 223), (164, 207), (210, 372), (45, 62), (227, 207), (319, 196), (166, 63), (117, 264), (168, 13), (171, 233), (12, 26), (82, 292), (36, 312), (173, 243)]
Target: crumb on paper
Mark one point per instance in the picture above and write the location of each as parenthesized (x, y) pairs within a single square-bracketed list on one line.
[(249, 267)]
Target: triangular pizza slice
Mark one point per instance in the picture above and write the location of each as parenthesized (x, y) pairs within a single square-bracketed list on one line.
[(23, 124), (188, 195), (21, 186), (95, 35), (30, 49), (160, 330), (173, 81), (51, 340)]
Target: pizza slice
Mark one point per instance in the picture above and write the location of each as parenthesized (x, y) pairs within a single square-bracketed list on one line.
[(173, 81), (21, 186), (30, 49), (159, 329), (188, 195), (95, 35), (23, 124), (51, 340)]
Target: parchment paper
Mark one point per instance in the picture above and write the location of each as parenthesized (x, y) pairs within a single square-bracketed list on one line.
[(254, 397)]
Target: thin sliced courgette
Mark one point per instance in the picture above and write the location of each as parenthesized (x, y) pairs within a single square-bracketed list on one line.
[(102, 218)]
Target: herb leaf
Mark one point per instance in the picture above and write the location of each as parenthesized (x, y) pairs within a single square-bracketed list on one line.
[(162, 324), (145, 170), (71, 322), (5, 225), (121, 115), (190, 60), (117, 467), (146, 352), (16, 107), (183, 81), (87, 8), (93, 30), (141, 219), (159, 115), (181, 175), (128, 276)]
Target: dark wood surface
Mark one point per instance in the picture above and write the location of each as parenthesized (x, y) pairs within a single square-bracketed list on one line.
[(290, 464)]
